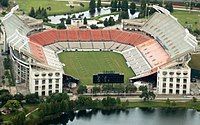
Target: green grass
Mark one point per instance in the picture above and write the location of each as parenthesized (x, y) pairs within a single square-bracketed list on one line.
[(57, 7), (194, 62), (186, 18), (83, 65)]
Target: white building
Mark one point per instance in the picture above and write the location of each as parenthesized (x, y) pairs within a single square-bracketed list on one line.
[(175, 80)]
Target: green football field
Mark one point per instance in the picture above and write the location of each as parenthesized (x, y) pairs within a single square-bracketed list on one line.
[(83, 65)]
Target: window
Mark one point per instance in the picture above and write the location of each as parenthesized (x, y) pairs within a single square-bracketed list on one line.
[(170, 91), (43, 93), (57, 91), (178, 73), (171, 79), (36, 75), (36, 82), (43, 87), (50, 80), (164, 73), (171, 73), (57, 85), (57, 80), (184, 86), (50, 86), (164, 79), (171, 85), (184, 80), (177, 91), (177, 86), (50, 92), (164, 84), (43, 74), (164, 91), (43, 81), (178, 80), (184, 92), (185, 73), (57, 74), (36, 87), (50, 74)]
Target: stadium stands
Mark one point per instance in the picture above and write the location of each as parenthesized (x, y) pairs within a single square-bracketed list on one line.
[(169, 34)]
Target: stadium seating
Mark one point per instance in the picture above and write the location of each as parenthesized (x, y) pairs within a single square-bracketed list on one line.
[(106, 35), (153, 53), (136, 61), (84, 35), (169, 33), (73, 35), (96, 35)]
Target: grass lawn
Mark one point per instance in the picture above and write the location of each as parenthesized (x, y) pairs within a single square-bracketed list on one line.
[(194, 62), (83, 65), (192, 18), (57, 7)]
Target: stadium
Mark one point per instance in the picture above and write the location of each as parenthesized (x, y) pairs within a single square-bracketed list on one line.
[(159, 44)]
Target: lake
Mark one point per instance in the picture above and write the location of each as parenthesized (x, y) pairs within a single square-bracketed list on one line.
[(56, 19), (134, 116)]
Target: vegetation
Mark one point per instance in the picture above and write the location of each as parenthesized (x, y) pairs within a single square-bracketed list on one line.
[(4, 3), (194, 62), (84, 64), (146, 95), (188, 19), (132, 8), (8, 76), (53, 7), (99, 5), (92, 6), (39, 13)]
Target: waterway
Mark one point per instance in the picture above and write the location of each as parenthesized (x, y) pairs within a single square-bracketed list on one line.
[(56, 19), (134, 116)]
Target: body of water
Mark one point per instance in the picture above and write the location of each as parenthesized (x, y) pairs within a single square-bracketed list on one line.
[(56, 19), (134, 116)]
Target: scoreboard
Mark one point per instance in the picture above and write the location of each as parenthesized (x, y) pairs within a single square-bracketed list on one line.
[(108, 77)]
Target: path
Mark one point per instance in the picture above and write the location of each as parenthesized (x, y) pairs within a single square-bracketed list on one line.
[(31, 112)]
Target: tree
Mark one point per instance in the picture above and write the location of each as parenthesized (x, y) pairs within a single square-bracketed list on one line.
[(61, 25), (92, 6), (113, 5), (99, 5), (82, 89), (146, 95), (96, 90), (124, 15), (93, 26), (18, 119), (124, 5), (109, 102), (169, 6), (111, 21), (118, 88), (119, 5), (32, 98), (32, 12), (5, 3), (105, 22), (85, 21), (68, 20), (131, 88), (84, 102), (132, 8), (13, 105), (19, 97)]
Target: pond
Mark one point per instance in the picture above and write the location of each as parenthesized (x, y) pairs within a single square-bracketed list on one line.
[(134, 116), (56, 19)]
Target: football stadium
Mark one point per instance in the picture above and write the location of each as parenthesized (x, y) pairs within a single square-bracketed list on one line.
[(41, 59)]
